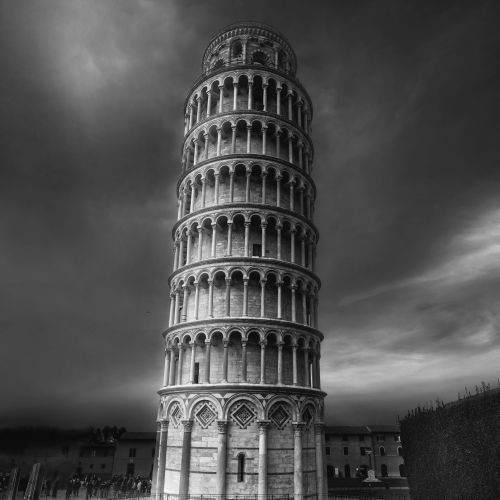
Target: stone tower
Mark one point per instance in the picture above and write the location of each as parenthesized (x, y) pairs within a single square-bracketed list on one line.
[(241, 407)]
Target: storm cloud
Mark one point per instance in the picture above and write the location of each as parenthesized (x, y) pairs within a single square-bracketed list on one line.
[(406, 136)]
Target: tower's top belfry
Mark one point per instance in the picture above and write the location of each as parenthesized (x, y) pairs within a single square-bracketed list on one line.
[(249, 43)]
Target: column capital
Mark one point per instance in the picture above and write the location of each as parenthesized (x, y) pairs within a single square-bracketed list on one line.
[(188, 425), (208, 342), (298, 427), (164, 425), (213, 224), (280, 345), (225, 343), (243, 343), (228, 281), (263, 425), (263, 344), (222, 426), (263, 224)]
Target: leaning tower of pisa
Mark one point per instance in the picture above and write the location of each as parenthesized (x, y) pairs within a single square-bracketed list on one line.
[(241, 407)]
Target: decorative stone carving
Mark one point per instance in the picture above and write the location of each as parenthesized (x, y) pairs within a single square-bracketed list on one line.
[(176, 415), (205, 413), (243, 414), (280, 415)]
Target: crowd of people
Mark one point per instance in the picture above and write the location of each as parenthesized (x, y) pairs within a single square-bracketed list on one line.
[(95, 487)]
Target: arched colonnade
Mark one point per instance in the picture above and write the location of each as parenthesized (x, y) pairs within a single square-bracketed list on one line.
[(249, 356), (243, 292), (238, 234), (246, 183), (243, 135), (248, 90)]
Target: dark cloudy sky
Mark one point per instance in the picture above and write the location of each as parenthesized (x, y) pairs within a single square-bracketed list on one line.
[(406, 131)]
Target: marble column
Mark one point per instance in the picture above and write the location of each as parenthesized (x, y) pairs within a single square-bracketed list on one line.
[(262, 467), (208, 344), (225, 361), (298, 480), (221, 458), (263, 344), (185, 458), (243, 361), (161, 457)]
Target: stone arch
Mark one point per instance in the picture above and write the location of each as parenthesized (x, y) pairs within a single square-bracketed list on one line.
[(286, 400), (191, 406), (176, 412), (250, 399)]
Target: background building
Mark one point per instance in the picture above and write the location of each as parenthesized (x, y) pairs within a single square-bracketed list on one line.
[(241, 407), (134, 454), (377, 446)]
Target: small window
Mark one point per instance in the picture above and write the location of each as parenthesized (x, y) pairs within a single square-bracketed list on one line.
[(382, 451), (130, 469), (327, 452), (397, 438), (92, 453), (361, 438), (103, 466), (362, 450), (91, 466), (345, 438), (65, 450), (132, 452), (402, 470), (400, 451), (197, 373), (381, 438), (241, 468), (256, 250), (346, 450)]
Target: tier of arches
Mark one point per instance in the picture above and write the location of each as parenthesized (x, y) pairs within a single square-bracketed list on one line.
[(221, 235), (244, 135), (247, 90), (306, 410), (245, 182), (240, 357), (242, 293)]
